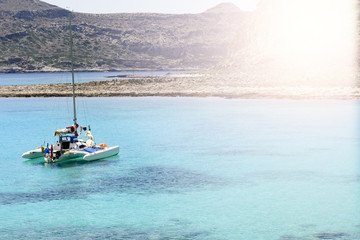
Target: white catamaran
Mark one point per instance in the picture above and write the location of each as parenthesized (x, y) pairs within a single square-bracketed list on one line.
[(69, 146)]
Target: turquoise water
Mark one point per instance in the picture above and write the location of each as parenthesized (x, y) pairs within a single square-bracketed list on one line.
[(188, 168), (80, 77)]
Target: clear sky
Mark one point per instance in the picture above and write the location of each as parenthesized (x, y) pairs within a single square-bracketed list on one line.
[(158, 6)]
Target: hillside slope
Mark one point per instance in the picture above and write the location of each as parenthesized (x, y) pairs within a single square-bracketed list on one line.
[(34, 37)]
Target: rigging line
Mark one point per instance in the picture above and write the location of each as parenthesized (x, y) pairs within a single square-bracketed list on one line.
[(85, 111), (67, 109)]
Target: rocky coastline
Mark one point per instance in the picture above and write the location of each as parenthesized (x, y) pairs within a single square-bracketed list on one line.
[(184, 85)]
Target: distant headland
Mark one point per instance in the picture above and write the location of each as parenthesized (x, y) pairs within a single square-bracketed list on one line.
[(35, 38)]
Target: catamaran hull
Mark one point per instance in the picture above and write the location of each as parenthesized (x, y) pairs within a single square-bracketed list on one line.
[(66, 156), (36, 153), (78, 154), (106, 152)]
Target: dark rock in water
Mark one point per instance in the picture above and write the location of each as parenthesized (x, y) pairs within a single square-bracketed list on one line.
[(288, 237), (148, 180), (321, 236), (155, 180), (109, 232), (331, 236)]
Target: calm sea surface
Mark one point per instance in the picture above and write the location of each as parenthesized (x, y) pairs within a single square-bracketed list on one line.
[(188, 168), (46, 78)]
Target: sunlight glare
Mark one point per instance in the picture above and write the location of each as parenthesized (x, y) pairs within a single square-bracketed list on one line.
[(308, 39), (246, 5)]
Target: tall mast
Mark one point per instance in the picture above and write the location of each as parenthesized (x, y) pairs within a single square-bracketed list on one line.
[(72, 70)]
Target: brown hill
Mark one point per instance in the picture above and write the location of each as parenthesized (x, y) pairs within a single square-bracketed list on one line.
[(34, 37)]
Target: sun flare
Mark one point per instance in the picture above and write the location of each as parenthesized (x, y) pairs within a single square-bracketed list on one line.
[(315, 41)]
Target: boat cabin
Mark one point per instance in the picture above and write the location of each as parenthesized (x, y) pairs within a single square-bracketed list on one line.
[(67, 142)]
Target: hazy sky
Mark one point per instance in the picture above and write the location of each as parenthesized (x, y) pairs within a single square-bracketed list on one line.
[(158, 6)]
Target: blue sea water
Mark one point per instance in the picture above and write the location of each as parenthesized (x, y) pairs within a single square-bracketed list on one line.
[(65, 77), (188, 168)]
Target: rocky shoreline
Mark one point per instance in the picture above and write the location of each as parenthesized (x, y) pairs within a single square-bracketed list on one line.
[(65, 70), (184, 85)]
